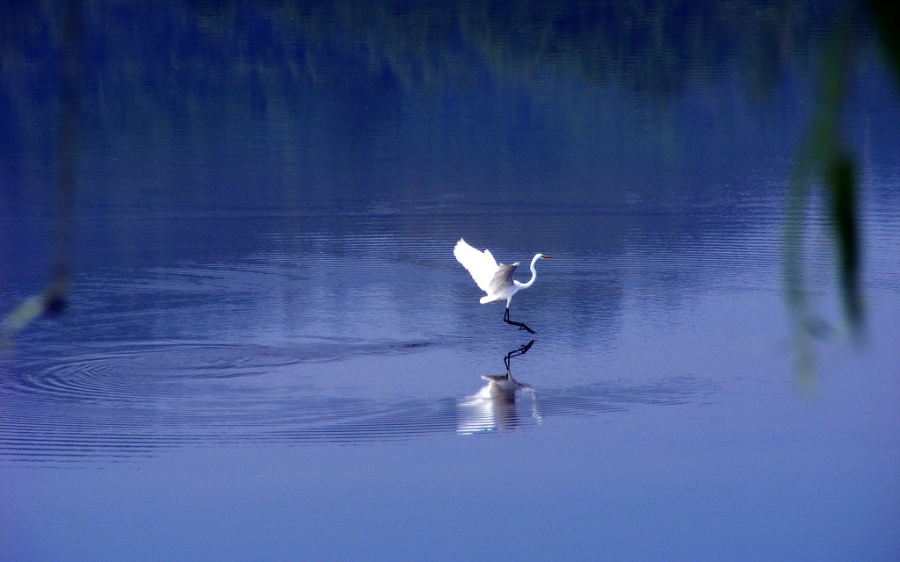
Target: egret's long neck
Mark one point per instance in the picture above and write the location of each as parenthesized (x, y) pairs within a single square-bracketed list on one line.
[(533, 273)]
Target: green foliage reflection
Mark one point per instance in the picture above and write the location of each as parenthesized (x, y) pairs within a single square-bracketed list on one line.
[(164, 70)]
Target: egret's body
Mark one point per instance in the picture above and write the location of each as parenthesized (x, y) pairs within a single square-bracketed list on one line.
[(495, 279)]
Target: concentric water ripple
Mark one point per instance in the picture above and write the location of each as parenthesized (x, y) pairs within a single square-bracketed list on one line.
[(137, 400)]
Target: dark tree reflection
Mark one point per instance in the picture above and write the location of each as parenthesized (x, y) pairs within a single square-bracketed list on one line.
[(174, 71)]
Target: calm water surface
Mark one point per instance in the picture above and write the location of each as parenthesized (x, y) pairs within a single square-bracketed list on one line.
[(271, 353)]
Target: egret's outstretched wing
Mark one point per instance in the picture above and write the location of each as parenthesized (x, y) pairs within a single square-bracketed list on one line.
[(502, 279), (481, 265)]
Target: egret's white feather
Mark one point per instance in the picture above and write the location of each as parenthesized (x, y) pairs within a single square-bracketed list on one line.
[(481, 265), (502, 279)]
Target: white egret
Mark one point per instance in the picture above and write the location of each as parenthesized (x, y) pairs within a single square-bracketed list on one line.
[(494, 279)]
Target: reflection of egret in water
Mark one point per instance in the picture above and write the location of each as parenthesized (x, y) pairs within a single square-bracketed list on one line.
[(493, 407)]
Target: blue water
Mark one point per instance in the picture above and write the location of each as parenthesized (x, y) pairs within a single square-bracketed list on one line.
[(269, 351)]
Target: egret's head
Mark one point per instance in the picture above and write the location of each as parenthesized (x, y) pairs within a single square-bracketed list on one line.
[(544, 256)]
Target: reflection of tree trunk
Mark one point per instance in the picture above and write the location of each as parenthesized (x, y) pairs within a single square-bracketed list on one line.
[(52, 299), (67, 157)]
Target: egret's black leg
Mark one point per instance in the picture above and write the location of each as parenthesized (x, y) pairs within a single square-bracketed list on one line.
[(519, 324), (519, 351)]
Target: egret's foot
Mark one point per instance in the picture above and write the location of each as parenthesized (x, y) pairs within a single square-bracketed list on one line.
[(520, 325)]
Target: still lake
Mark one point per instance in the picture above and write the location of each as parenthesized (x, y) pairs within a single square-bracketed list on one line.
[(269, 351)]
